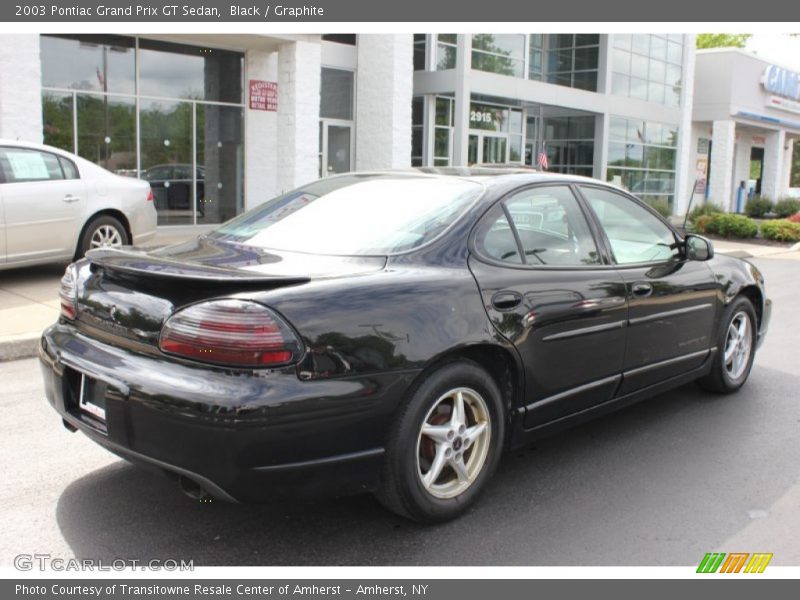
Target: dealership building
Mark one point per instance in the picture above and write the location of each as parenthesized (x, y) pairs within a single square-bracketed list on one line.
[(220, 123)]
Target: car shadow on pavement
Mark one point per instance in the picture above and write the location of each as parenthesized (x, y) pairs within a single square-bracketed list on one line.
[(625, 489)]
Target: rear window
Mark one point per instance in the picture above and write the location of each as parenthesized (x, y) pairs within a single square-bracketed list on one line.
[(355, 215)]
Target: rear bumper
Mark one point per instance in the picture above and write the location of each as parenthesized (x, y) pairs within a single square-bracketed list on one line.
[(243, 436)]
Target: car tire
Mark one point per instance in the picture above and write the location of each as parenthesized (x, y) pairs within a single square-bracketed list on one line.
[(429, 435), (101, 232), (736, 346)]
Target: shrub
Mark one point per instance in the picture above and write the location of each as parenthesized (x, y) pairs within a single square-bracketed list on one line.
[(701, 222), (662, 206), (782, 230), (786, 207), (732, 226), (701, 210), (795, 218), (757, 207)]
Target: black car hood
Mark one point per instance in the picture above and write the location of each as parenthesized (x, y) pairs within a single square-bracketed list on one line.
[(206, 259)]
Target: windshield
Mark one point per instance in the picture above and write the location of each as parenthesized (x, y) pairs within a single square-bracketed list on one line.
[(355, 215)]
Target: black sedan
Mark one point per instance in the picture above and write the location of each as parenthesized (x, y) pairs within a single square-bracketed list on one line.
[(393, 332)]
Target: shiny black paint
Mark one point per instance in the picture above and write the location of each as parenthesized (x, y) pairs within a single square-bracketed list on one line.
[(578, 343)]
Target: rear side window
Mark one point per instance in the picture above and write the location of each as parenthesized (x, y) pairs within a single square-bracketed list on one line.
[(496, 238), (69, 168), (546, 223), (21, 165)]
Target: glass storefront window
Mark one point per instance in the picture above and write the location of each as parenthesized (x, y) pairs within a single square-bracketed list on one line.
[(417, 130), (420, 42), (444, 118), (220, 162), (642, 158), (169, 70), (499, 53), (107, 132), (446, 51), (190, 150), (648, 67), (57, 109), (166, 159), (570, 144), (99, 63)]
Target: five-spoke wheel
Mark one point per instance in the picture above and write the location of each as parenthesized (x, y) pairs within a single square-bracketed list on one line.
[(453, 442), (445, 444)]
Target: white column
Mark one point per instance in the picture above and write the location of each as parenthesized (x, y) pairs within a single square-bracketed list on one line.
[(20, 88), (787, 165), (260, 134), (462, 100), (685, 171), (723, 141), (602, 123), (384, 87), (772, 178), (298, 114)]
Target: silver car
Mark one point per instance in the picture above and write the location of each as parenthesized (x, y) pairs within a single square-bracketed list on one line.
[(55, 206)]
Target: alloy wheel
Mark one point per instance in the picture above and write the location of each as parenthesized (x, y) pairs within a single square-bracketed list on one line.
[(738, 343), (105, 235), (453, 443)]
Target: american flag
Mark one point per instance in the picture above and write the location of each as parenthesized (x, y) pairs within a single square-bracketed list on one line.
[(541, 159)]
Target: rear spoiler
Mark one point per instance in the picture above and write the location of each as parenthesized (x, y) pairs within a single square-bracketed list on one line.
[(144, 264)]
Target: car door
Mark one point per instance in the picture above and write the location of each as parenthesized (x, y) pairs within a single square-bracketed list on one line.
[(549, 290), (672, 301), (44, 201)]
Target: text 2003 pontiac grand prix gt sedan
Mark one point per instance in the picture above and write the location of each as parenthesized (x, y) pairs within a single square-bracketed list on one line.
[(393, 332)]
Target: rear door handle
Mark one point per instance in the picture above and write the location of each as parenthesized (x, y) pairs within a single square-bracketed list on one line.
[(506, 300), (70, 198), (641, 289)]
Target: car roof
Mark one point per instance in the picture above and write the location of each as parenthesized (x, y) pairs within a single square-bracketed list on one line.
[(489, 176)]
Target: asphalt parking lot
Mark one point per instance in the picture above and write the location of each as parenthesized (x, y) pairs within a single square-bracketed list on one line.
[(660, 483)]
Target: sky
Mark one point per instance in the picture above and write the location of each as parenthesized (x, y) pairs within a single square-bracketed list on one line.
[(779, 48)]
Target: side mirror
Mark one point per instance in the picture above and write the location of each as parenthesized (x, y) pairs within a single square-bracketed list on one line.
[(698, 248)]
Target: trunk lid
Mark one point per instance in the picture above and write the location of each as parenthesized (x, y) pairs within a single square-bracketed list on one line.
[(130, 293)]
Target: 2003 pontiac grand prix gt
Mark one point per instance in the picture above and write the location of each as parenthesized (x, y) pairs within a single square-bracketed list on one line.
[(393, 332)]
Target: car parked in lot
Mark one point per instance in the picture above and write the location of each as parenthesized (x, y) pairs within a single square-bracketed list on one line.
[(55, 206), (172, 186), (393, 332)]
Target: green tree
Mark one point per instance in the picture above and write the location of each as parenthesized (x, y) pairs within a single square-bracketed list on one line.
[(722, 40)]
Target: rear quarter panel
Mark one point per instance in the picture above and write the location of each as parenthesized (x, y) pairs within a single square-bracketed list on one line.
[(400, 318)]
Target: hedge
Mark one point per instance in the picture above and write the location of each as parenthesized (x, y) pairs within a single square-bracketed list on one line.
[(782, 230)]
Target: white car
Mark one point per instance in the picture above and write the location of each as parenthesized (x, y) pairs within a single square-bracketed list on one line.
[(55, 206)]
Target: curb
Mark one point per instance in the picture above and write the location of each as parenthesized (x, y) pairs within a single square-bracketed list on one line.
[(795, 248), (18, 347)]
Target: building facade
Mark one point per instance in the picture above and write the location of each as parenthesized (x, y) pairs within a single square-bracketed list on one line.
[(216, 123), (611, 106), (220, 123), (746, 119)]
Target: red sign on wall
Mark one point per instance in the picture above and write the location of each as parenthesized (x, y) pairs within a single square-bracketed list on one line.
[(263, 95)]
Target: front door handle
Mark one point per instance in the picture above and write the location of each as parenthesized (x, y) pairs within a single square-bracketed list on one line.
[(641, 289), (69, 198), (506, 300)]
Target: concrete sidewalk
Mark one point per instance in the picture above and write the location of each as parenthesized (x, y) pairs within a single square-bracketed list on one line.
[(29, 299), (29, 296)]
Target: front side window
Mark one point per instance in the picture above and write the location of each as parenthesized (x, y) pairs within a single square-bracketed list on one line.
[(636, 235), (546, 223), (21, 165), (355, 215)]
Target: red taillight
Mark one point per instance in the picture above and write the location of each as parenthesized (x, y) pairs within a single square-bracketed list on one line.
[(236, 333), (150, 195), (69, 293)]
